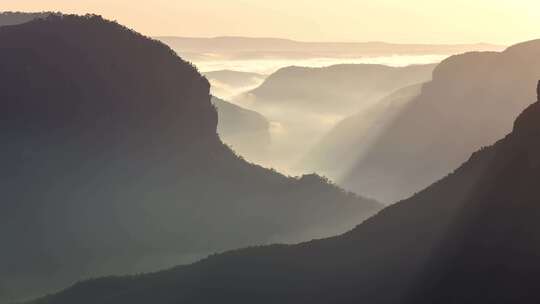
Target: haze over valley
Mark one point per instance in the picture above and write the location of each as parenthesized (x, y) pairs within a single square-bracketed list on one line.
[(305, 89), (269, 152)]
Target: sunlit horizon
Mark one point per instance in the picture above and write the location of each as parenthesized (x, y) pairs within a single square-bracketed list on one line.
[(501, 22)]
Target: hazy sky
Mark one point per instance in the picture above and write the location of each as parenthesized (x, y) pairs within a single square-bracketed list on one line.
[(431, 21)]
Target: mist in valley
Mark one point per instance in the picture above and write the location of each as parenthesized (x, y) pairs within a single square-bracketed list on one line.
[(305, 90), (346, 121), (303, 104), (270, 65), (182, 156)]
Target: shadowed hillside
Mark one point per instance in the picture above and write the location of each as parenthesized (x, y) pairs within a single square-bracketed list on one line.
[(344, 144), (111, 163), (246, 131), (471, 237), (471, 101)]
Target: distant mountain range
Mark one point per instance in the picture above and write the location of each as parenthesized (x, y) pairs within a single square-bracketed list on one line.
[(334, 90), (249, 48), (471, 237), (111, 163), (471, 101)]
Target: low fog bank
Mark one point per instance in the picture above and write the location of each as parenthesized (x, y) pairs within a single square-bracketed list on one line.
[(267, 55), (227, 84), (268, 66)]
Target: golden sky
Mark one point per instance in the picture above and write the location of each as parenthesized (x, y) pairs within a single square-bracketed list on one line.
[(429, 21)]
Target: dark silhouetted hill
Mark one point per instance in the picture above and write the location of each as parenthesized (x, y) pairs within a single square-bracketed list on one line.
[(246, 131), (471, 101), (111, 163), (471, 237)]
